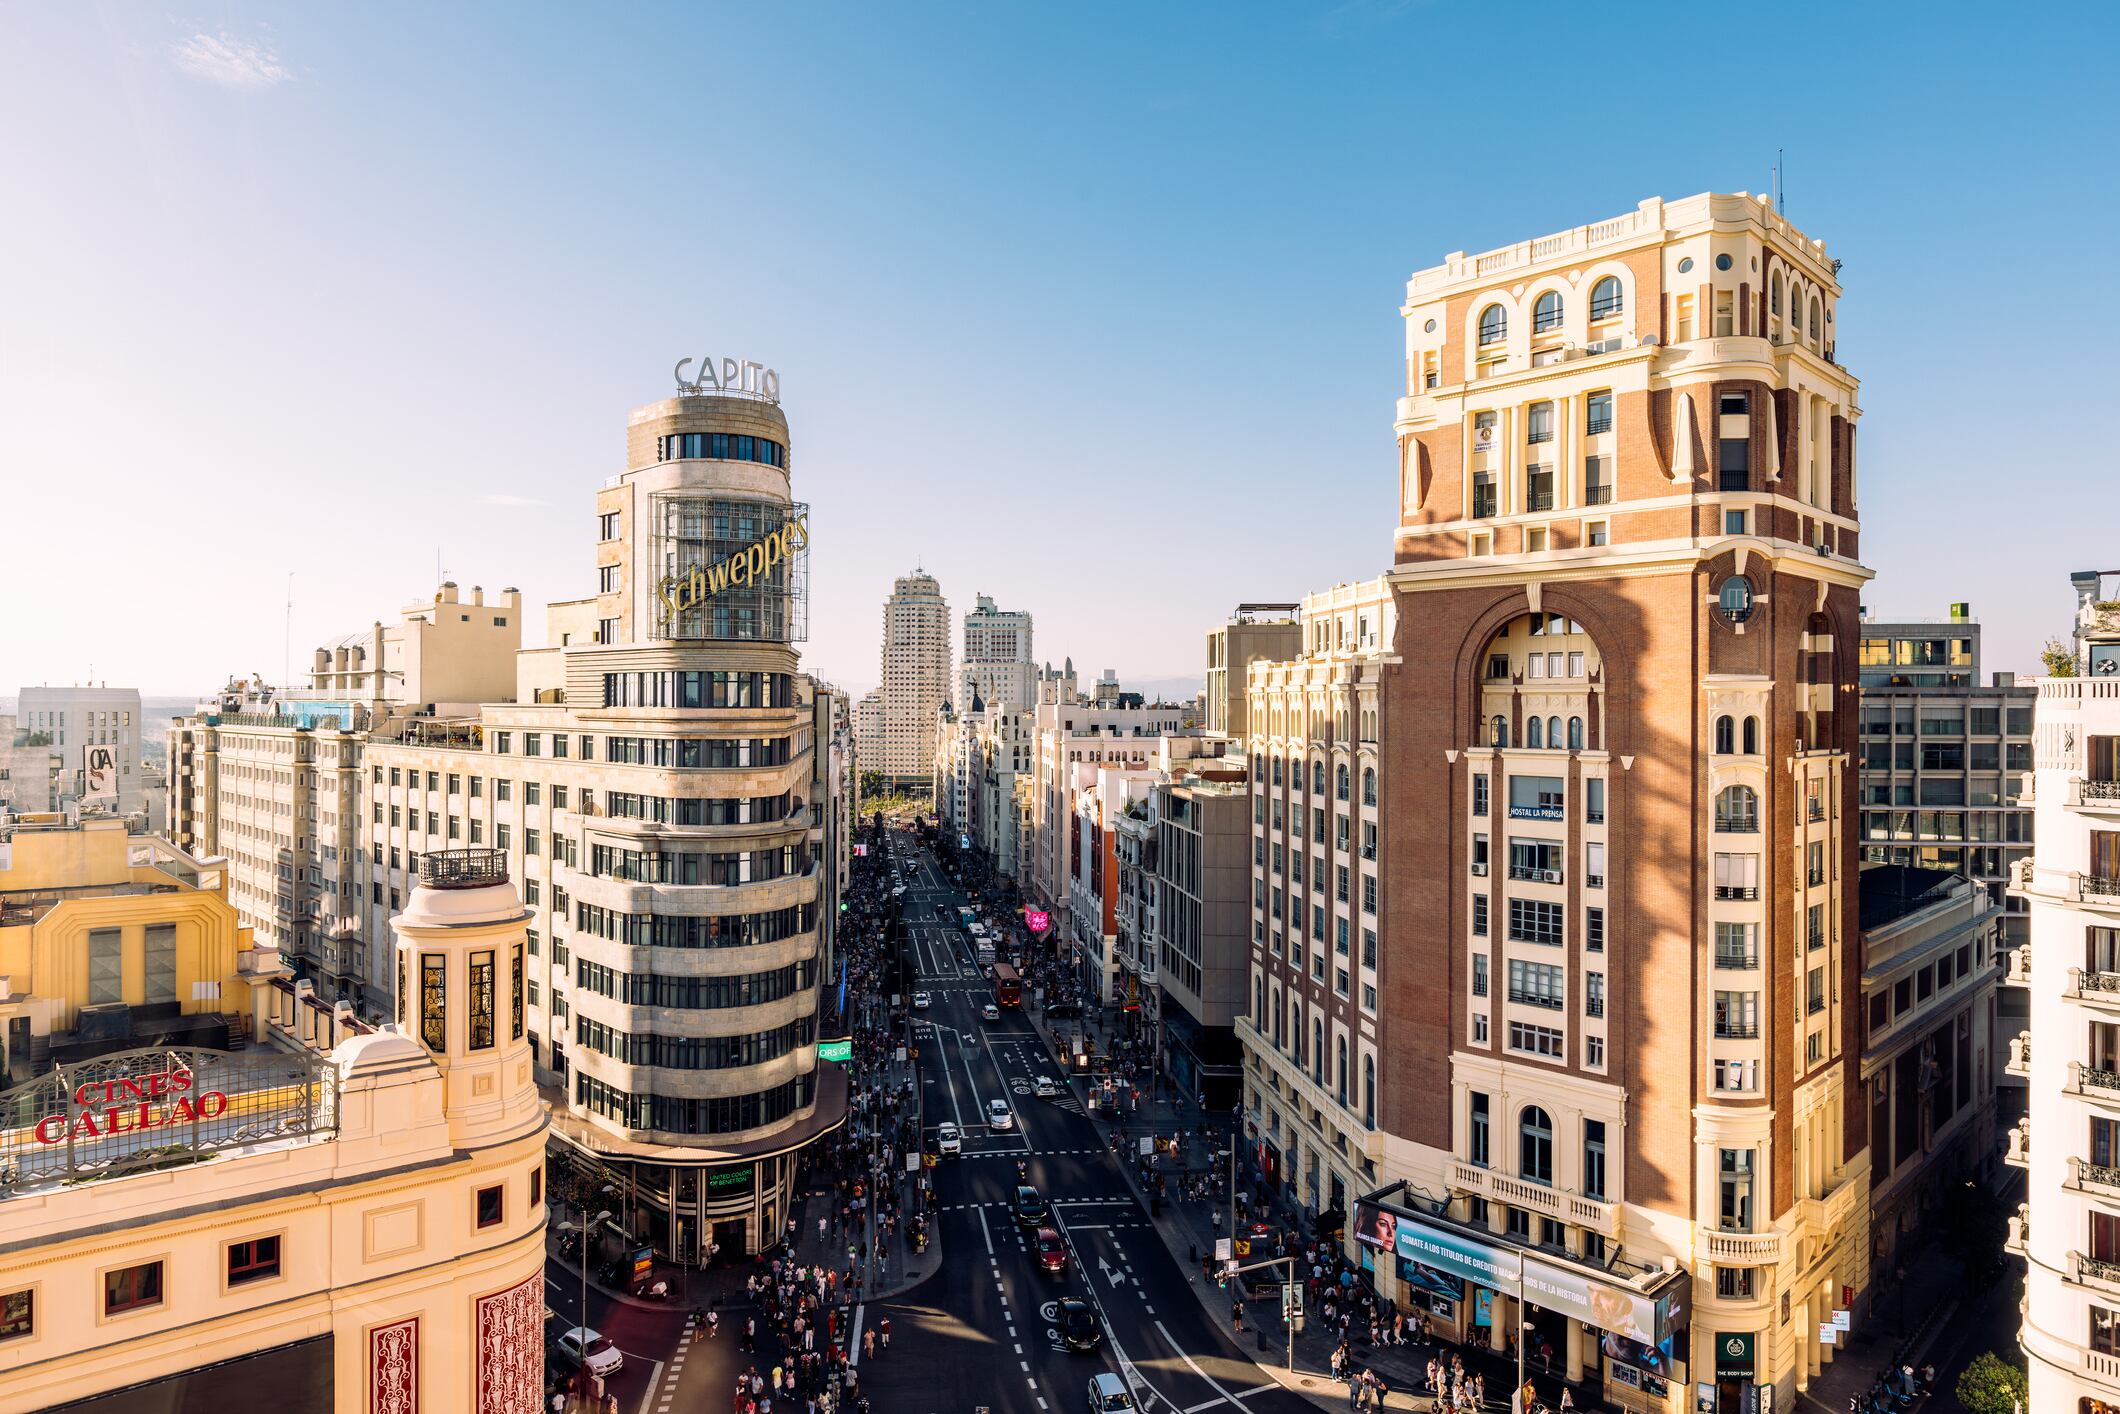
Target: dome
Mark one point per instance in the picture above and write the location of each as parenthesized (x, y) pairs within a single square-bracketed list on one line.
[(376, 1050)]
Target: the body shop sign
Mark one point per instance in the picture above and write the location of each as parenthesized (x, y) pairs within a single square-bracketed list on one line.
[(132, 1104), (1037, 920)]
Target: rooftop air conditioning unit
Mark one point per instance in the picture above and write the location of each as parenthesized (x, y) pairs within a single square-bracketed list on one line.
[(1551, 876), (1480, 870)]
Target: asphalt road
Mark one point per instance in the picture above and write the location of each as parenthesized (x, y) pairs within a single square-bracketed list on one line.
[(979, 1333)]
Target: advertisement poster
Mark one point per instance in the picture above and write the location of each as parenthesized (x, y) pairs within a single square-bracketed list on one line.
[(99, 773), (1038, 921)]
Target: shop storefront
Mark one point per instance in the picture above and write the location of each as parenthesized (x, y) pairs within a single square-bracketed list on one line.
[(1574, 1321)]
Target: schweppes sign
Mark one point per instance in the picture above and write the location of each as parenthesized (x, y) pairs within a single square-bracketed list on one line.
[(750, 565)]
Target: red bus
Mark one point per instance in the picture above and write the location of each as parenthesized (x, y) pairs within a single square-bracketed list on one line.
[(1008, 987)]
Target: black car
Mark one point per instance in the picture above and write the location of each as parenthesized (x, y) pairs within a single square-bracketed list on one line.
[(1031, 1211), (1079, 1326), (943, 910), (1060, 1010)]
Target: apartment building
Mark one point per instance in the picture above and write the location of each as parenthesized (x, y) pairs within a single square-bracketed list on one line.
[(2069, 1143), (661, 788), (1944, 755), (1313, 1026), (95, 729), (916, 679), (1622, 794), (31, 768), (1202, 889)]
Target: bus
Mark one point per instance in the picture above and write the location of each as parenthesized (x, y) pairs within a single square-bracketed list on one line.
[(1008, 987)]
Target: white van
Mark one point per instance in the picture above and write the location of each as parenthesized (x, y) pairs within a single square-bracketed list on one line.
[(984, 951)]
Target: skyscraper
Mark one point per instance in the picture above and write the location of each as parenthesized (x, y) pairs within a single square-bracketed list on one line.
[(1617, 813), (916, 678), (997, 668)]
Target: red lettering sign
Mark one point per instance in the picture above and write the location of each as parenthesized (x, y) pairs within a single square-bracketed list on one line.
[(132, 1105)]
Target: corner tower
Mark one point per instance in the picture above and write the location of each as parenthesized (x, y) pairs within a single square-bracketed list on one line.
[(1621, 729)]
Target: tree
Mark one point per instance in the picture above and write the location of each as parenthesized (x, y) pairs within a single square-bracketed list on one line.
[(1992, 1385), (2060, 663), (871, 784)]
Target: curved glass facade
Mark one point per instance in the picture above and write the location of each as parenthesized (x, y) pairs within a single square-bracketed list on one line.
[(720, 446)]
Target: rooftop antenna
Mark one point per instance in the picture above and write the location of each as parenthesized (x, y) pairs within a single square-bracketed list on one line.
[(1780, 165), (287, 635)]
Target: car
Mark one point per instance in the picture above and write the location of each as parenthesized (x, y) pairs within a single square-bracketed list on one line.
[(948, 1138), (1061, 1010), (1107, 1393), (1079, 1326), (898, 891), (579, 1345), (942, 910), (922, 1001), (1031, 1211), (998, 1116), (990, 1012), (1052, 1252), (1045, 1087)]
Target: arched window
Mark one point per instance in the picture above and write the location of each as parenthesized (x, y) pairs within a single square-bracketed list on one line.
[(1499, 728), (1575, 733), (1339, 781), (1340, 1070), (1277, 770), (1606, 301), (1553, 733), (1494, 325), (1295, 1027), (1369, 1092), (1737, 810), (1369, 785), (1317, 1050), (1534, 1153), (1546, 314), (1774, 295), (1725, 736), (1258, 1001), (1814, 319), (1735, 598), (1317, 777), (1751, 736), (1534, 733), (1280, 1037)]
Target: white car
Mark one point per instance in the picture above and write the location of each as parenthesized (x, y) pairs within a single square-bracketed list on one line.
[(998, 1116), (1045, 1087), (947, 1139), (990, 1012), (579, 1345), (922, 1001)]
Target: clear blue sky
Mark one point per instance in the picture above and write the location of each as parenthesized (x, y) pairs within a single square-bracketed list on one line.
[(1092, 308)]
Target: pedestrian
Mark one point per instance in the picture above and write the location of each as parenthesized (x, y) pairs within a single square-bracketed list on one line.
[(884, 1327)]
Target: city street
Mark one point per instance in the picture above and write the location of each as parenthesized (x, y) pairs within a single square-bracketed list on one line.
[(980, 1333)]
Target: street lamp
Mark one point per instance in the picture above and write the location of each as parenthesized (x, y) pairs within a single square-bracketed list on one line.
[(581, 1322)]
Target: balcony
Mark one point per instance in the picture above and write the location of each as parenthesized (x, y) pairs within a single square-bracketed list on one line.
[(1815, 812), (2019, 1152), (1740, 893), (1736, 1031), (1593, 1213), (1529, 874), (2091, 888), (2100, 1179), (2082, 1269), (1593, 881), (2020, 1061), (1737, 961), (2095, 988), (2020, 1233), (1737, 824), (2089, 1081), (2017, 971), (1740, 1249)]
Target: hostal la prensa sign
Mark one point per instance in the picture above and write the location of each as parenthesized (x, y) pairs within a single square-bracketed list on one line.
[(732, 375), (747, 566)]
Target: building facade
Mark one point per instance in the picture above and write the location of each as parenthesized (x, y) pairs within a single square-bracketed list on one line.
[(1254, 632), (916, 679), (1203, 927), (2069, 1143), (96, 732), (656, 787), (1622, 791), (997, 665), (31, 768), (326, 1232)]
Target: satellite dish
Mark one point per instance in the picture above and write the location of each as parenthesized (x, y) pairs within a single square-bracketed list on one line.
[(1650, 341)]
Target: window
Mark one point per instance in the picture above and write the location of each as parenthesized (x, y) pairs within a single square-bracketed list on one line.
[(18, 1315), (1594, 1159), (1539, 424), (1734, 463), (1538, 493), (1734, 1174), (253, 1260), (132, 1288), (1594, 993), (1534, 984), (1735, 599), (1733, 1283), (1534, 1132), (1494, 325), (1606, 301), (433, 1008), (481, 1038), (1546, 313), (1737, 945), (1737, 1015), (1598, 414), (491, 1209), (1737, 876), (607, 579), (1479, 974), (1737, 809), (1534, 922), (607, 526), (1479, 793), (1594, 930), (1478, 1142), (1536, 1040), (1725, 736), (1733, 522)]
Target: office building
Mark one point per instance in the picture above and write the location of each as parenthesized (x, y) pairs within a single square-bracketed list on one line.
[(1255, 632), (2069, 1143), (655, 786), (321, 1231), (997, 666), (1932, 951), (916, 680), (1944, 755), (31, 768), (96, 731), (1202, 884), (1621, 806)]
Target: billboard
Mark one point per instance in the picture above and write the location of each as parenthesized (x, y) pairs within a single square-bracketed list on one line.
[(99, 773), (1038, 921), (1447, 1252), (723, 569)]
